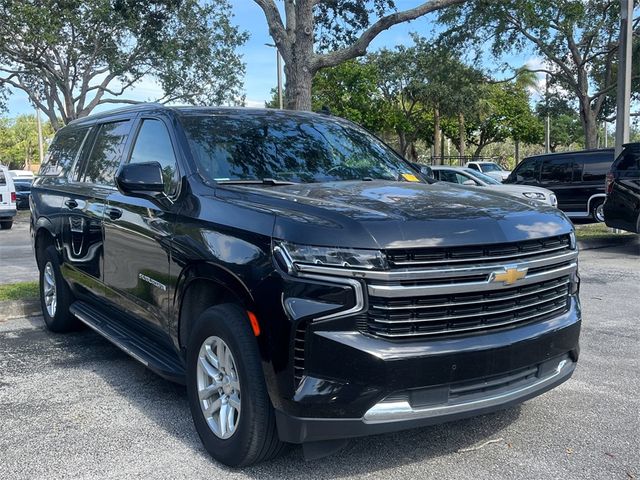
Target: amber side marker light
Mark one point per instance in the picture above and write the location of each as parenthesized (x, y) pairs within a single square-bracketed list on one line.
[(255, 326)]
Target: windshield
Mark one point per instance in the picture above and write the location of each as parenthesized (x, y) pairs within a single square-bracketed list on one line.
[(481, 176), (293, 148), (490, 167)]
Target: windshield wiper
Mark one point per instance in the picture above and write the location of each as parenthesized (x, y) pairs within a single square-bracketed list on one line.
[(264, 181)]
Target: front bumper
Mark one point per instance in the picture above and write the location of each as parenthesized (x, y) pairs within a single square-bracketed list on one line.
[(386, 417), (358, 385)]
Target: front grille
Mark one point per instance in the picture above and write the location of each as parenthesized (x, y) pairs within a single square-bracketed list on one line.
[(456, 313), (431, 292), (478, 255)]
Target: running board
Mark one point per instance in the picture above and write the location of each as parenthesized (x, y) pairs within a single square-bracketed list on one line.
[(153, 355)]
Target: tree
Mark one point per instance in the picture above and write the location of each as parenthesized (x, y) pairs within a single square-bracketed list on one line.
[(316, 34), (350, 90), (19, 140), (564, 122), (69, 57), (578, 40), (503, 113)]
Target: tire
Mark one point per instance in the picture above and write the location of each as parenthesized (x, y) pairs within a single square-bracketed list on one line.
[(6, 225), (597, 211), (253, 436), (55, 295)]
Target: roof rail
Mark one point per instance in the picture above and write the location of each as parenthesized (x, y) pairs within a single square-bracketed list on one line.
[(128, 108)]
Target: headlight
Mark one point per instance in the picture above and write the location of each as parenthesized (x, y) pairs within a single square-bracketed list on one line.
[(333, 256), (554, 200), (534, 195)]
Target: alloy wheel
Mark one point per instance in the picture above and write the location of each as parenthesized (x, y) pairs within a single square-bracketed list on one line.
[(218, 387), (49, 290)]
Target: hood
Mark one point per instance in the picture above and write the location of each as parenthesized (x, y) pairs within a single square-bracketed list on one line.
[(382, 214)]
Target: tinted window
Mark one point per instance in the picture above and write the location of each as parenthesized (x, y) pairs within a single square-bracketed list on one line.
[(454, 177), (153, 144), (22, 187), (473, 166), (291, 147), (528, 170), (596, 166), (629, 161), (3, 180), (105, 155), (557, 170), (63, 151)]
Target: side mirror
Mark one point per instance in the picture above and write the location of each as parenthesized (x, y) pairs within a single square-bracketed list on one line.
[(140, 179), (470, 183)]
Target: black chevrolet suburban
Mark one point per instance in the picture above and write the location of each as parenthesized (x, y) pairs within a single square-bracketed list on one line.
[(303, 281)]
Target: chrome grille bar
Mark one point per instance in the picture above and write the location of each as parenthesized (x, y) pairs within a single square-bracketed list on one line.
[(468, 329), (486, 313), (475, 302)]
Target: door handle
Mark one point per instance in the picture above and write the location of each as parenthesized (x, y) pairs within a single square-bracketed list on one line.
[(114, 213), (71, 203)]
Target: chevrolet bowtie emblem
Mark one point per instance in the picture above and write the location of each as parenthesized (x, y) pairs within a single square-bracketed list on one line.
[(509, 276)]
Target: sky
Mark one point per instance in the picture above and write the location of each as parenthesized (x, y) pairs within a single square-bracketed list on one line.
[(260, 60)]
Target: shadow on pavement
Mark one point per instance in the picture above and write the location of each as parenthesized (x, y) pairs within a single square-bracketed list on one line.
[(165, 404)]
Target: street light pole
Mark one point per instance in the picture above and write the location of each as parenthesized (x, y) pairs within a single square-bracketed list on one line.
[(547, 122), (624, 75), (279, 67)]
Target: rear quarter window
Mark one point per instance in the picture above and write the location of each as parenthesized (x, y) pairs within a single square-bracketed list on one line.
[(3, 179), (63, 151), (596, 166), (629, 160)]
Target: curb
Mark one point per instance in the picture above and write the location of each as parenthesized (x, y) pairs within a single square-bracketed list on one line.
[(19, 308), (606, 242)]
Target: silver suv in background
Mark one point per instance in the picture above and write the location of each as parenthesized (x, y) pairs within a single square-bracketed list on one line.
[(467, 176)]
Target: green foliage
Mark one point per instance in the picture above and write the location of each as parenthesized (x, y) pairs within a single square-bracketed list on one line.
[(350, 90), (74, 55), (19, 140), (576, 38), (19, 291)]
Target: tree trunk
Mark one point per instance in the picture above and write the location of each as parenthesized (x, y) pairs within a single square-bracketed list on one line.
[(402, 143), (436, 136), (589, 124), (462, 131), (517, 142), (298, 88)]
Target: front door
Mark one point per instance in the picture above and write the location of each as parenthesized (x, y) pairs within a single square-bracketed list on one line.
[(137, 233)]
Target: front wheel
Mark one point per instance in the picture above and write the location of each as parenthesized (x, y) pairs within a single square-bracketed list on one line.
[(55, 295), (227, 393), (597, 212)]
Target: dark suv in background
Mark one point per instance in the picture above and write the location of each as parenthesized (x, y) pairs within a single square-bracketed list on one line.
[(577, 179), (622, 208), (303, 281)]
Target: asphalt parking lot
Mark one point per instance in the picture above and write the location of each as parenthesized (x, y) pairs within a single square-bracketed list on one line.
[(17, 263), (73, 406)]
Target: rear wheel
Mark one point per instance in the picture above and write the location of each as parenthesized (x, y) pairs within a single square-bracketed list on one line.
[(6, 225), (55, 295), (597, 211), (227, 393)]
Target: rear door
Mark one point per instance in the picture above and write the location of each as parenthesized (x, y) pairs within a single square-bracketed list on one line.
[(138, 231), (623, 203), (91, 181)]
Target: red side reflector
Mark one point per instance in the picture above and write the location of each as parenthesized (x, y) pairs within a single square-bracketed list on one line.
[(609, 183), (13, 197), (255, 326)]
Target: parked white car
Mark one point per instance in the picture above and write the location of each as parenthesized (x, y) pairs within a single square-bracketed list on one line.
[(467, 176), (7, 199), (489, 168)]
